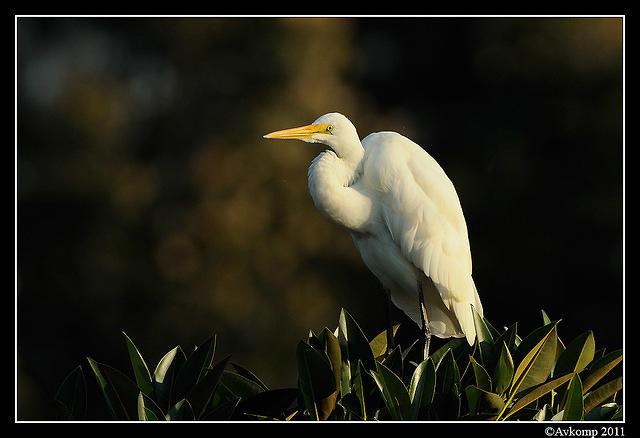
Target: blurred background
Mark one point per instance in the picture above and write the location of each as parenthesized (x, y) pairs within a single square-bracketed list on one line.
[(148, 201)]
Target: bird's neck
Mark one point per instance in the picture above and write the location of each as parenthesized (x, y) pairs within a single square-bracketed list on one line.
[(331, 184)]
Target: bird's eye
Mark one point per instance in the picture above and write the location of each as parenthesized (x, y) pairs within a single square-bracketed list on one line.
[(329, 128)]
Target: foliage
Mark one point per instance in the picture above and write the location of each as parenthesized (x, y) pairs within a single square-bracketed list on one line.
[(343, 376)]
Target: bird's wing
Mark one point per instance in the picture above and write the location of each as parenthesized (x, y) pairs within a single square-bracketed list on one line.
[(422, 212)]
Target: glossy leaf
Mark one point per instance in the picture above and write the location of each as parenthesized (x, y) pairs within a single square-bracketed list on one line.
[(316, 381), (603, 413), (578, 354), (422, 387), (509, 337), (119, 392), (600, 395), (503, 374), (394, 361), (447, 374), (222, 411), (456, 345), (601, 368), (164, 376), (359, 391), (483, 402), (447, 397), (331, 346), (140, 370), (394, 393), (574, 406), (194, 368), (72, 395), (181, 411), (200, 395), (275, 403), (355, 342), (545, 319), (379, 343), (531, 340), (148, 410), (484, 339), (538, 392), (536, 366), (560, 349), (244, 372), (239, 385), (483, 381)]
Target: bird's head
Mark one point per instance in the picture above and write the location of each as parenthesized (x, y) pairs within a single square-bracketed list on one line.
[(333, 130)]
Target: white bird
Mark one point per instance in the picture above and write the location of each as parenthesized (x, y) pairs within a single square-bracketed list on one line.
[(405, 218)]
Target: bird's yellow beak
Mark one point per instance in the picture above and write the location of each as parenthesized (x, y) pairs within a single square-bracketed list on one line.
[(297, 133)]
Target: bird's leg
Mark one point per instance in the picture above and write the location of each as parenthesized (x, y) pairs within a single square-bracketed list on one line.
[(426, 333), (390, 344)]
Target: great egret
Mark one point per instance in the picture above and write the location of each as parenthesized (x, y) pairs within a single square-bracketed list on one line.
[(405, 219)]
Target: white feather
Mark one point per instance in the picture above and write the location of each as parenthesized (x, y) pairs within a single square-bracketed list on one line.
[(405, 218)]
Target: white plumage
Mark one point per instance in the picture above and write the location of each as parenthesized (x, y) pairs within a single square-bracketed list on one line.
[(404, 216)]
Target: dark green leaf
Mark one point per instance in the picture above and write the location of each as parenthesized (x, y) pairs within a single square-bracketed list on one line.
[(394, 393), (578, 354), (456, 345), (111, 398), (447, 400), (394, 361), (352, 407), (483, 381), (536, 366), (194, 368), (276, 403), (379, 343), (484, 339), (148, 410), (483, 402), (447, 374), (603, 413), (331, 347), (222, 412), (72, 395), (354, 343), (140, 370), (574, 406), (494, 332), (618, 415), (598, 396), (560, 349), (164, 376), (239, 385), (545, 319), (508, 337), (422, 387), (601, 368), (200, 395), (536, 392), (249, 375), (503, 374), (120, 392), (181, 411), (359, 390), (405, 353), (482, 330), (531, 340), (316, 381)]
